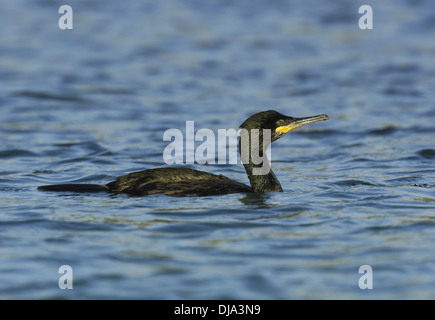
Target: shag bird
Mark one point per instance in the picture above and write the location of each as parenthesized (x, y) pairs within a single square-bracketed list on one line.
[(185, 182)]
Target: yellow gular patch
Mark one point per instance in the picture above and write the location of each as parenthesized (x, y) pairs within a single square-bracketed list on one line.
[(285, 129)]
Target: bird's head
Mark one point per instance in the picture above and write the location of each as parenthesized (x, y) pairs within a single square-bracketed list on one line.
[(278, 123)]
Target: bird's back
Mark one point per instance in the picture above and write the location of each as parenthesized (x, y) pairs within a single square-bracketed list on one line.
[(176, 182)]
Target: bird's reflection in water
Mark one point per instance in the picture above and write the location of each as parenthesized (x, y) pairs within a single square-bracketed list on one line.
[(259, 200)]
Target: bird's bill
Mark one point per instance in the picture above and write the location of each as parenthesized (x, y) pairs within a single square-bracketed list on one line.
[(299, 122)]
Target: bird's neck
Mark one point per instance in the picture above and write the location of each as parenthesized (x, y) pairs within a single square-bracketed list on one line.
[(260, 173)]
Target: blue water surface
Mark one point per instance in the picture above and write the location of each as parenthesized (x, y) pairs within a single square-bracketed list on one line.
[(89, 104)]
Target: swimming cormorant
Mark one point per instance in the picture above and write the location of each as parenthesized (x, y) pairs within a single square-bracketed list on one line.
[(185, 182)]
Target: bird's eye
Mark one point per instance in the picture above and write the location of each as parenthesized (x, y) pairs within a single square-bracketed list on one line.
[(279, 123)]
